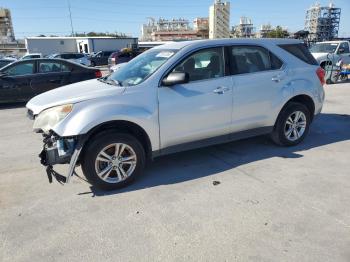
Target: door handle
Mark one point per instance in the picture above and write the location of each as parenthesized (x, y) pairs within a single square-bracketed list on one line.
[(276, 79), (221, 90)]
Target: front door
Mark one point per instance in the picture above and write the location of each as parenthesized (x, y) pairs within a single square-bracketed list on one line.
[(344, 52), (15, 83), (199, 109)]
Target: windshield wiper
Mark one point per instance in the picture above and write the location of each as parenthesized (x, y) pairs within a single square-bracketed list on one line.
[(112, 82)]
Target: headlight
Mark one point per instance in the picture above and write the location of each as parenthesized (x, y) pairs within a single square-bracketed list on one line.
[(47, 119)]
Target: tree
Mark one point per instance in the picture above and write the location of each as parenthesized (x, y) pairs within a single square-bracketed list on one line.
[(278, 32), (92, 34)]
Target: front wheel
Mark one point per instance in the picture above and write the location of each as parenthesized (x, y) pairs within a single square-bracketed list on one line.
[(112, 160), (292, 125)]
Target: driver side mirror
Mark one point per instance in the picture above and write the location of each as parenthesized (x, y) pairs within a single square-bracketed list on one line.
[(341, 51), (176, 78)]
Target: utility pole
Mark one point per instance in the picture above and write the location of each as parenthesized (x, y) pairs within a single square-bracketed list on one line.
[(70, 17)]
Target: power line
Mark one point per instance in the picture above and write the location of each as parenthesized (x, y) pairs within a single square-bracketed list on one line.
[(70, 17)]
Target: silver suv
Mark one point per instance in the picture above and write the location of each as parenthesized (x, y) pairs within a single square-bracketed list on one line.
[(177, 97)]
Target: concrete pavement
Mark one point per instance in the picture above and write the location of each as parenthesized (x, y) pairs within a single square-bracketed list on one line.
[(268, 203)]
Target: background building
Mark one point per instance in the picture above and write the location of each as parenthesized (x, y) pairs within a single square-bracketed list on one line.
[(201, 26), (322, 23), (147, 29), (8, 43), (7, 34), (244, 29), (219, 20), (264, 31), (173, 29)]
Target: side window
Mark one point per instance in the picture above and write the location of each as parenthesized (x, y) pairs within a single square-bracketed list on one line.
[(78, 56), (345, 46), (203, 64), (21, 69), (276, 63), (47, 67), (251, 59)]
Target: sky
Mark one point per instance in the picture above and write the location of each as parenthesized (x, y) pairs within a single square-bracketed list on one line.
[(51, 17)]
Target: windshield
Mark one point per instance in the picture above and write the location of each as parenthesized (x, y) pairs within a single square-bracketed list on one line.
[(324, 48), (140, 68)]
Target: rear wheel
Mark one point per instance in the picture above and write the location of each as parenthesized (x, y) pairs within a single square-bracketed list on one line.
[(93, 63), (292, 125), (112, 160)]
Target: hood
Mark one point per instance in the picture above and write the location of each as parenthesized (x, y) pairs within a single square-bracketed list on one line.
[(73, 93)]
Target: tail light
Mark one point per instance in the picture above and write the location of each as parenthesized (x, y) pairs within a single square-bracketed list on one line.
[(98, 74), (321, 75)]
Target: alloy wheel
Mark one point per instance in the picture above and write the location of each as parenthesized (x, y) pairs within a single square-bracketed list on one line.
[(115, 163), (295, 126)]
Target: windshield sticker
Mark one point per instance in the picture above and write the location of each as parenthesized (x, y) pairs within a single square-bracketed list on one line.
[(165, 54)]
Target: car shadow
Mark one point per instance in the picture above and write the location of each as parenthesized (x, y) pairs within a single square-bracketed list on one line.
[(177, 168), (12, 105)]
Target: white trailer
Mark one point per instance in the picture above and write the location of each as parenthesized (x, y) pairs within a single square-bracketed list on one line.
[(51, 45)]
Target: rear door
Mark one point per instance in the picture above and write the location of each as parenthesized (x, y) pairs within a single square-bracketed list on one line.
[(258, 78), (50, 75), (15, 85)]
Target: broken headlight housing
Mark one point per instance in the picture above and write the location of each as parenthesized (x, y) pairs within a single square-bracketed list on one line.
[(47, 119)]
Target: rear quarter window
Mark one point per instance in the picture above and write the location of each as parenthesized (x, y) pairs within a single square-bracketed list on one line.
[(300, 51)]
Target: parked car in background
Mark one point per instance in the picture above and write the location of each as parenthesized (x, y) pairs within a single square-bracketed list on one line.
[(78, 58), (177, 97), (100, 58), (5, 61), (122, 56), (24, 79), (330, 52), (31, 56), (116, 67)]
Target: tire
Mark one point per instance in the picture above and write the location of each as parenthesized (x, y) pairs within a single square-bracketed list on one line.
[(108, 164), (93, 64), (283, 133)]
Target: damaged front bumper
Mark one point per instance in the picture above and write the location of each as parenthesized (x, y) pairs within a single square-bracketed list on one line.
[(60, 150)]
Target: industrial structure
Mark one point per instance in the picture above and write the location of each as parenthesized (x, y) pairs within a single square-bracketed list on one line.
[(265, 30), (174, 29), (7, 34), (322, 22), (244, 29), (8, 43), (147, 29), (219, 20), (201, 26)]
